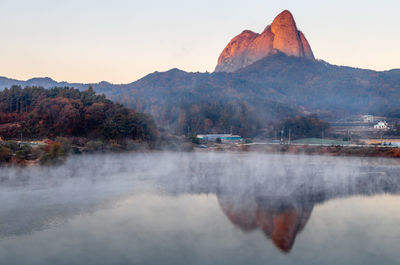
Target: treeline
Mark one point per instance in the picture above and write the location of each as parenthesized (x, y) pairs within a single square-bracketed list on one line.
[(35, 112), (302, 127), (394, 130), (191, 113), (217, 117)]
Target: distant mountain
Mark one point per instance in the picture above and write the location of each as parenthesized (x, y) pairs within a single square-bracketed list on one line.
[(45, 82)]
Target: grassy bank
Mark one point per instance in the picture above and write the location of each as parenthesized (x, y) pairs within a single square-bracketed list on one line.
[(360, 151), (311, 149), (50, 152)]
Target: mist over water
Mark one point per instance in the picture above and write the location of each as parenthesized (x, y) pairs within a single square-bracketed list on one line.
[(201, 208)]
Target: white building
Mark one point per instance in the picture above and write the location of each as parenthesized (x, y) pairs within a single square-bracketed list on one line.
[(222, 137), (381, 125), (368, 118)]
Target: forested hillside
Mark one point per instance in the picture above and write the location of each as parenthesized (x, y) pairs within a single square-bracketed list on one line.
[(193, 103), (35, 112)]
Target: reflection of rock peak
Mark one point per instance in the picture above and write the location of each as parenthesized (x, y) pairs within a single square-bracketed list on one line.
[(248, 47), (280, 224)]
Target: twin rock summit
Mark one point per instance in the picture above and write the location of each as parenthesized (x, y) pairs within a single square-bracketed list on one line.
[(248, 47)]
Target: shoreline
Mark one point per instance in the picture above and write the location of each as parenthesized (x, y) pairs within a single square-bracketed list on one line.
[(327, 150), (271, 148)]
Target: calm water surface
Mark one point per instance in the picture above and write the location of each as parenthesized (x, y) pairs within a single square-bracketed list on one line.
[(194, 208)]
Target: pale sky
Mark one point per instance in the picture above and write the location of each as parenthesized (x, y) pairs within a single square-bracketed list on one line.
[(120, 40)]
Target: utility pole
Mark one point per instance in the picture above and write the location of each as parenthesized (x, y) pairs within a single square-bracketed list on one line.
[(289, 135), (322, 139)]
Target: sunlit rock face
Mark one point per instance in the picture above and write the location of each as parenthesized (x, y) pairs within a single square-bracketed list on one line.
[(235, 53), (248, 47)]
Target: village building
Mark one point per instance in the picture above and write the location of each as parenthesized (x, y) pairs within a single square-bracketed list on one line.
[(224, 138), (381, 125), (368, 118)]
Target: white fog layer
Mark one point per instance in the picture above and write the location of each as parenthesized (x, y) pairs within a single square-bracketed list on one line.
[(140, 199)]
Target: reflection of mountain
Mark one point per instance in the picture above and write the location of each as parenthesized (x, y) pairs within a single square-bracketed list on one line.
[(276, 194), (280, 223), (272, 193)]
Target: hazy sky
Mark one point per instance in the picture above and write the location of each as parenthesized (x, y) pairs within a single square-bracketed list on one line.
[(121, 40)]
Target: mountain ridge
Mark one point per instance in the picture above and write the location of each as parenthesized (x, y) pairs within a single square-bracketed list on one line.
[(7, 82), (269, 90)]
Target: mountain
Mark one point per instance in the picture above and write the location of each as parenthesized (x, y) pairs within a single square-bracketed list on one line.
[(248, 47), (288, 81), (273, 88)]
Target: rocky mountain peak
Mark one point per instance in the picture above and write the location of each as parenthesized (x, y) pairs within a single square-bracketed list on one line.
[(248, 47)]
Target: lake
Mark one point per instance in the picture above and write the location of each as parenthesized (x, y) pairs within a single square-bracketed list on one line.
[(202, 208)]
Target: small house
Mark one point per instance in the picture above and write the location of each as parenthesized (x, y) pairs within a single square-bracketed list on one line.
[(381, 125)]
